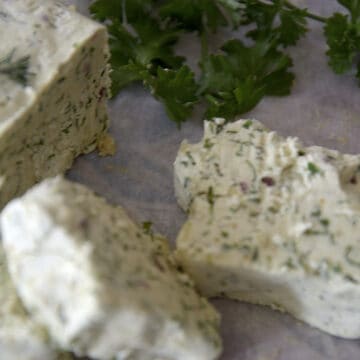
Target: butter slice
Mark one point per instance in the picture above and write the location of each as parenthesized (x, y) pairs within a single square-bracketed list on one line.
[(103, 286), (272, 222), (53, 102)]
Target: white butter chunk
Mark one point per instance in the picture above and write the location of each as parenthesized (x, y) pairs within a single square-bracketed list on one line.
[(20, 337), (272, 222), (54, 84), (103, 286)]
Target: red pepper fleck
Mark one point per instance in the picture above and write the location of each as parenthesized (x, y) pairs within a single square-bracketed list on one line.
[(267, 180)]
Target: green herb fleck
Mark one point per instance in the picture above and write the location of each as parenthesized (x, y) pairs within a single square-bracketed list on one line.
[(147, 226), (210, 196), (325, 222), (342, 33), (316, 213), (208, 144), (255, 254), (273, 210), (312, 232), (337, 268), (247, 124), (16, 70), (191, 158), (290, 264), (314, 169), (252, 167)]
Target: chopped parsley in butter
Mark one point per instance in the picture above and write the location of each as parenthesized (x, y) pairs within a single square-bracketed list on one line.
[(20, 336), (54, 77), (103, 286), (272, 222)]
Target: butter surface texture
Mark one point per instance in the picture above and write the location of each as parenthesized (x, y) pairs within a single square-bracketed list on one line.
[(103, 286), (54, 83), (272, 222)]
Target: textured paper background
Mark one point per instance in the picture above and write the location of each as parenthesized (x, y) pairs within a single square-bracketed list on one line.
[(324, 109)]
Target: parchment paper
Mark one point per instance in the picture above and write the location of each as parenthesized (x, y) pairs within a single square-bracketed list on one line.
[(323, 109)]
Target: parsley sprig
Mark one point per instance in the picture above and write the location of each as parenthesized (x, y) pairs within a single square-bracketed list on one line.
[(234, 78), (343, 37)]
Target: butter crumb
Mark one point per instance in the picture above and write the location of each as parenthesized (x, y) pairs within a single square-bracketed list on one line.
[(106, 145)]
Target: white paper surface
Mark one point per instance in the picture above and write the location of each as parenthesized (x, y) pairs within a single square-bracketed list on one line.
[(324, 109)]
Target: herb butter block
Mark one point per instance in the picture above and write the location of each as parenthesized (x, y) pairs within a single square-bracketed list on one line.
[(54, 85), (103, 287), (20, 338), (272, 222)]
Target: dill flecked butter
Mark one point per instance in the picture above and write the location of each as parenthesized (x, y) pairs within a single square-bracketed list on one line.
[(103, 286), (54, 85), (272, 222)]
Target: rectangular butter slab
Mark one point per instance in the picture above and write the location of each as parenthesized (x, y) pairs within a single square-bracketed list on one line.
[(54, 85)]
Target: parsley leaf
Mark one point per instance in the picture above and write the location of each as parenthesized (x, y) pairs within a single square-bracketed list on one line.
[(143, 34), (343, 38), (235, 81), (149, 47), (177, 90), (313, 169), (142, 49), (127, 11), (286, 21), (201, 15), (110, 9), (194, 15)]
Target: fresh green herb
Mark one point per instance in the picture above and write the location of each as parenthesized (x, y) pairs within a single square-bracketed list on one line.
[(290, 264), (176, 89), (316, 213), (312, 232), (208, 144), (337, 268), (210, 196), (273, 210), (253, 170), (314, 169), (277, 17), (147, 226), (325, 222), (190, 157), (16, 70), (343, 38), (247, 124), (234, 78)]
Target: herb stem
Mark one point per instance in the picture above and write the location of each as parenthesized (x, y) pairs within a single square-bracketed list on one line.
[(308, 14), (204, 45)]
